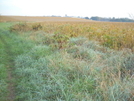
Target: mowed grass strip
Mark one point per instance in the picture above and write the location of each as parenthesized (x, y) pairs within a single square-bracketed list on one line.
[(3, 74), (10, 46)]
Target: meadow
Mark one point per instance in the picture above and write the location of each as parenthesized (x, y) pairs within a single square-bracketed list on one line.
[(70, 60)]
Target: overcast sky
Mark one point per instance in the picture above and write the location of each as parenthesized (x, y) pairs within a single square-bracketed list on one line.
[(102, 8)]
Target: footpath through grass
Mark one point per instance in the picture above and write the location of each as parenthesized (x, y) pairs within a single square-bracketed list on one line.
[(11, 45)]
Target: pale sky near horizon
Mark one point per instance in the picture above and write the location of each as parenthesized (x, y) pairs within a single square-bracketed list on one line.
[(83, 8)]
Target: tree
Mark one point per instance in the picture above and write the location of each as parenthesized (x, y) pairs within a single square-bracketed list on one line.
[(112, 19), (86, 17)]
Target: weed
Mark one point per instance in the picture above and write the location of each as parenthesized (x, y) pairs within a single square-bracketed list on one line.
[(20, 27), (37, 27)]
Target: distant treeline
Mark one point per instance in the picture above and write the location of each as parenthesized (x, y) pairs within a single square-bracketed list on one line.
[(110, 19)]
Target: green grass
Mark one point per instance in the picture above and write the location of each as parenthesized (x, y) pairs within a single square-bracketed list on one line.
[(81, 70), (11, 45), (3, 81), (3, 72)]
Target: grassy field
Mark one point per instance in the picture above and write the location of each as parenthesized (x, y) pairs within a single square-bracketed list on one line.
[(67, 61)]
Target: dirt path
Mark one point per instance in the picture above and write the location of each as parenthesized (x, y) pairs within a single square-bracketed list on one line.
[(9, 66)]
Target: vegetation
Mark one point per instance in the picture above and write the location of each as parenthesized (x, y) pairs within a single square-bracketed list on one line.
[(82, 71), (113, 35), (11, 45), (3, 74), (111, 19), (73, 61)]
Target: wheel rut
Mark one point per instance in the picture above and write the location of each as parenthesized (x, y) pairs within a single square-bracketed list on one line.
[(9, 65)]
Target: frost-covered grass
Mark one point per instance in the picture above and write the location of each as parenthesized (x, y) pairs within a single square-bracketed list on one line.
[(82, 71)]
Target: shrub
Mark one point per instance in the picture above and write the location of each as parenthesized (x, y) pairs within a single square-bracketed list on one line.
[(37, 27), (20, 27), (56, 41)]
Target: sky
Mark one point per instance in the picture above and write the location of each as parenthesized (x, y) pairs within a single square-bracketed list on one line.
[(82, 8)]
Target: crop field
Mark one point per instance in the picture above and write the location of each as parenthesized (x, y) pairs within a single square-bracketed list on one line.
[(66, 60), (40, 19), (112, 35)]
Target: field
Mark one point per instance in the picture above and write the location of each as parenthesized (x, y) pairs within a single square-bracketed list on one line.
[(66, 59), (112, 35), (40, 19)]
